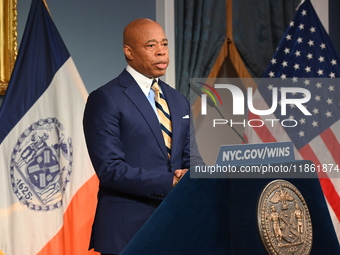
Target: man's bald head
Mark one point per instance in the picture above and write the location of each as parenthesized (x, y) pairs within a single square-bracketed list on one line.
[(146, 47), (136, 27)]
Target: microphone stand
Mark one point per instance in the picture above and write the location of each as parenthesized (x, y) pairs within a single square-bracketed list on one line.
[(199, 93)]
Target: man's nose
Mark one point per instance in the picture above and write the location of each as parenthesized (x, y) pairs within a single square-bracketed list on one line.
[(161, 51)]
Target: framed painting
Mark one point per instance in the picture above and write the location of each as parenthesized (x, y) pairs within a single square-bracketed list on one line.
[(8, 41)]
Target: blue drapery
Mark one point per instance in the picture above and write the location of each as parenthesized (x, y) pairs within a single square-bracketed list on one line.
[(257, 29), (200, 33), (201, 30)]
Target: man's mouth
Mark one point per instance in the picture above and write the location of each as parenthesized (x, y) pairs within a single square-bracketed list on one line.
[(161, 65)]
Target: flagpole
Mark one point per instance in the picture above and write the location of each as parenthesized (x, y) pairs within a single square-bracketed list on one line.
[(302, 1), (44, 1)]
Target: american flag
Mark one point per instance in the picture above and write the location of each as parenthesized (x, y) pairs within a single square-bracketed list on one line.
[(305, 58)]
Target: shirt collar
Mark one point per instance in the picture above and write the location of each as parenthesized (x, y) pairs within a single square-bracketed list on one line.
[(143, 81)]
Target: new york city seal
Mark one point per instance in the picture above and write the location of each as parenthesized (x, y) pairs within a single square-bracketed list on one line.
[(41, 165), (284, 221)]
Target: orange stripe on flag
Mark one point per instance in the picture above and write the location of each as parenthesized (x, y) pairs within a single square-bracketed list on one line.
[(74, 236)]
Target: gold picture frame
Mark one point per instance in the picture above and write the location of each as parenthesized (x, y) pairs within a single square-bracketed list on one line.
[(8, 41)]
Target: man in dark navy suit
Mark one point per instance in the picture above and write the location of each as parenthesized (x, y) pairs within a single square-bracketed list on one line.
[(123, 133)]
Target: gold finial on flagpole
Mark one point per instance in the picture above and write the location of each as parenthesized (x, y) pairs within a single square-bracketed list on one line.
[(44, 1)]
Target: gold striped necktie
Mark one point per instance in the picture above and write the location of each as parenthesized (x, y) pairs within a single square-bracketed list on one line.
[(163, 115)]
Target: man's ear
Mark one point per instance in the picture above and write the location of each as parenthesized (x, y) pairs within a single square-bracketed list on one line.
[(128, 52)]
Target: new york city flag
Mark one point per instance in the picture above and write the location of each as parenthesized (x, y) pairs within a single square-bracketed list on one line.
[(47, 183)]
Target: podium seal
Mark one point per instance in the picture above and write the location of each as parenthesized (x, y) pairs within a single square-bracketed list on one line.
[(284, 221)]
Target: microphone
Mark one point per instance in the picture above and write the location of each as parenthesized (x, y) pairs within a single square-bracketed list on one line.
[(199, 93), (212, 104)]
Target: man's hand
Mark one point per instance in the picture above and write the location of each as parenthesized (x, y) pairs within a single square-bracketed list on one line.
[(178, 174)]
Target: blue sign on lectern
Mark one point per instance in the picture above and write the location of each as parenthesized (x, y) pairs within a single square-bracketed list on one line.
[(265, 160), (245, 154)]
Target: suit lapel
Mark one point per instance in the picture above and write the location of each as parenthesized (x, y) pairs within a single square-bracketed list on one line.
[(138, 98)]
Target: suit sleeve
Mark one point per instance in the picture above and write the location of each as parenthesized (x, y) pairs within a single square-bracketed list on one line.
[(103, 137)]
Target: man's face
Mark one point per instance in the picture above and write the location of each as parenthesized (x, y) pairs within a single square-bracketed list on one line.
[(147, 52)]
